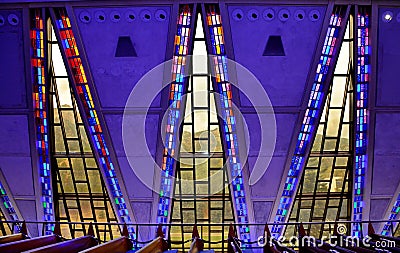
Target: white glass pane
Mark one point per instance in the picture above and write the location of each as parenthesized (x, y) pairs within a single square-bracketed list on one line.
[(199, 57), (339, 85), (343, 61), (64, 93), (200, 121), (200, 91), (58, 63), (333, 122), (199, 27)]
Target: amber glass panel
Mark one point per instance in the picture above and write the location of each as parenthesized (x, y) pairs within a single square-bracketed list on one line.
[(81, 193), (324, 193), (202, 192)]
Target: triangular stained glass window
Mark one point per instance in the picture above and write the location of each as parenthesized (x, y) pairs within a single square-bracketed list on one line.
[(202, 193), (80, 193), (324, 193)]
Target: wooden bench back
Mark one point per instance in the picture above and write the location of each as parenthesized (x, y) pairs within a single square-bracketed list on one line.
[(119, 245)]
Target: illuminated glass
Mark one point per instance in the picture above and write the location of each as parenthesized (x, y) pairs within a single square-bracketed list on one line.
[(309, 121), (68, 43), (4, 228), (362, 83), (38, 63), (219, 67), (81, 194), (9, 207), (181, 50), (202, 193), (324, 192), (387, 228)]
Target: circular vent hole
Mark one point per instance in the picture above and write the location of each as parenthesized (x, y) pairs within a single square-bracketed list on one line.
[(101, 17), (239, 16), (285, 15), (86, 18), (13, 19), (300, 16), (269, 15), (254, 15), (146, 16), (162, 16)]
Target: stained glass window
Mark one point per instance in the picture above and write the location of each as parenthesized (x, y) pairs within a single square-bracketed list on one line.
[(362, 83), (177, 87), (309, 123), (10, 210), (202, 193), (397, 232), (4, 228), (40, 89), (324, 193), (95, 130), (219, 67), (389, 226), (81, 193)]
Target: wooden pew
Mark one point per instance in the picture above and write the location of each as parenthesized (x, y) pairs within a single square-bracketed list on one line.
[(335, 248), (24, 245), (158, 245), (15, 237), (70, 246), (377, 237), (307, 248), (234, 245), (328, 247), (233, 241), (12, 238), (197, 245), (348, 242), (155, 246), (28, 244), (119, 245), (271, 245)]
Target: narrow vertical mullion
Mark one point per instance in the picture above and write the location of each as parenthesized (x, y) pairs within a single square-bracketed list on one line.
[(181, 207), (209, 154)]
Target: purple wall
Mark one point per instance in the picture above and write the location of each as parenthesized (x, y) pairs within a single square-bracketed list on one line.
[(284, 78), (12, 61), (386, 160), (115, 78), (15, 153)]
